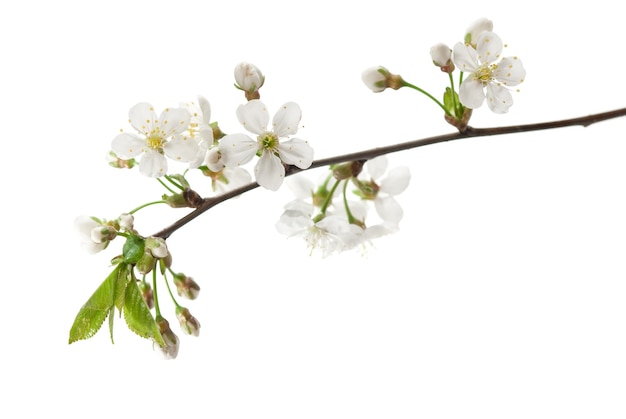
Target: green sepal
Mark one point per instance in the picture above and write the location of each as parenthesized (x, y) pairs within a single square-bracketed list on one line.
[(133, 249), (138, 316), (181, 179), (93, 313)]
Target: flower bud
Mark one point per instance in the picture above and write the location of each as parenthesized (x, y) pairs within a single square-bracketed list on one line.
[(157, 247), (476, 28), (146, 263), (126, 221), (188, 323), (249, 79), (118, 163), (347, 170), (147, 293), (103, 234), (379, 78), (441, 55), (84, 225), (186, 286), (214, 160), (170, 349)]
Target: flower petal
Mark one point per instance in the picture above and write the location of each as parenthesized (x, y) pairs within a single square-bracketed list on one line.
[(388, 209), (269, 171), (301, 186), (126, 146), (286, 120), (465, 58), (142, 117), (471, 92), (396, 181), (181, 148), (153, 164), (205, 107), (253, 116), (510, 71), (489, 47), (297, 152), (174, 121), (237, 149), (377, 167), (499, 98), (292, 222)]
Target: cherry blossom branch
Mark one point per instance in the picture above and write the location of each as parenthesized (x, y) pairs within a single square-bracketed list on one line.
[(203, 204)]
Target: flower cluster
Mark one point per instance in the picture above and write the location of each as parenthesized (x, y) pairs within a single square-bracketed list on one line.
[(485, 74), (185, 134), (331, 228)]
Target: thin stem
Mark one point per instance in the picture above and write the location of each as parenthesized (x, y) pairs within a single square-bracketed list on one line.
[(146, 205), (412, 86), (345, 203), (167, 283), (173, 182), (173, 192), (157, 310), (329, 198), (208, 203)]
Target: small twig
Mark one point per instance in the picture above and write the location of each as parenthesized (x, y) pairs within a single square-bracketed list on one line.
[(208, 203)]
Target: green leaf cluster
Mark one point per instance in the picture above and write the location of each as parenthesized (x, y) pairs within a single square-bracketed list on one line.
[(119, 290)]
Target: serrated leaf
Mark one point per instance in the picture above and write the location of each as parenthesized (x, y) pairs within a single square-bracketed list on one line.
[(120, 287), (93, 313), (123, 277), (138, 316), (133, 249)]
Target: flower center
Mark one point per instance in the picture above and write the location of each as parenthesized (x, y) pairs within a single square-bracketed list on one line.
[(485, 73), (155, 139), (268, 141)]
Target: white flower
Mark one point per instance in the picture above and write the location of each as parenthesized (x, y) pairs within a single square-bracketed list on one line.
[(476, 28), (487, 78), (248, 77), (154, 140), (239, 149), (375, 78), (396, 181), (332, 234), (199, 128), (84, 226)]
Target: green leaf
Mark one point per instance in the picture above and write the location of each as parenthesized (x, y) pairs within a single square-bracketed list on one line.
[(449, 99), (124, 275), (93, 313), (133, 249), (138, 316)]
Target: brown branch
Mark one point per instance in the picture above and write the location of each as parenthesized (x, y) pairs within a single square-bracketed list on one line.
[(208, 203)]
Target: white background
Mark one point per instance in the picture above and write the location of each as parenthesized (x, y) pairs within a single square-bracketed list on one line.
[(501, 297)]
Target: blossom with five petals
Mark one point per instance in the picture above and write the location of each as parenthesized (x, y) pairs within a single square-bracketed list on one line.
[(154, 139), (239, 149), (486, 77)]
